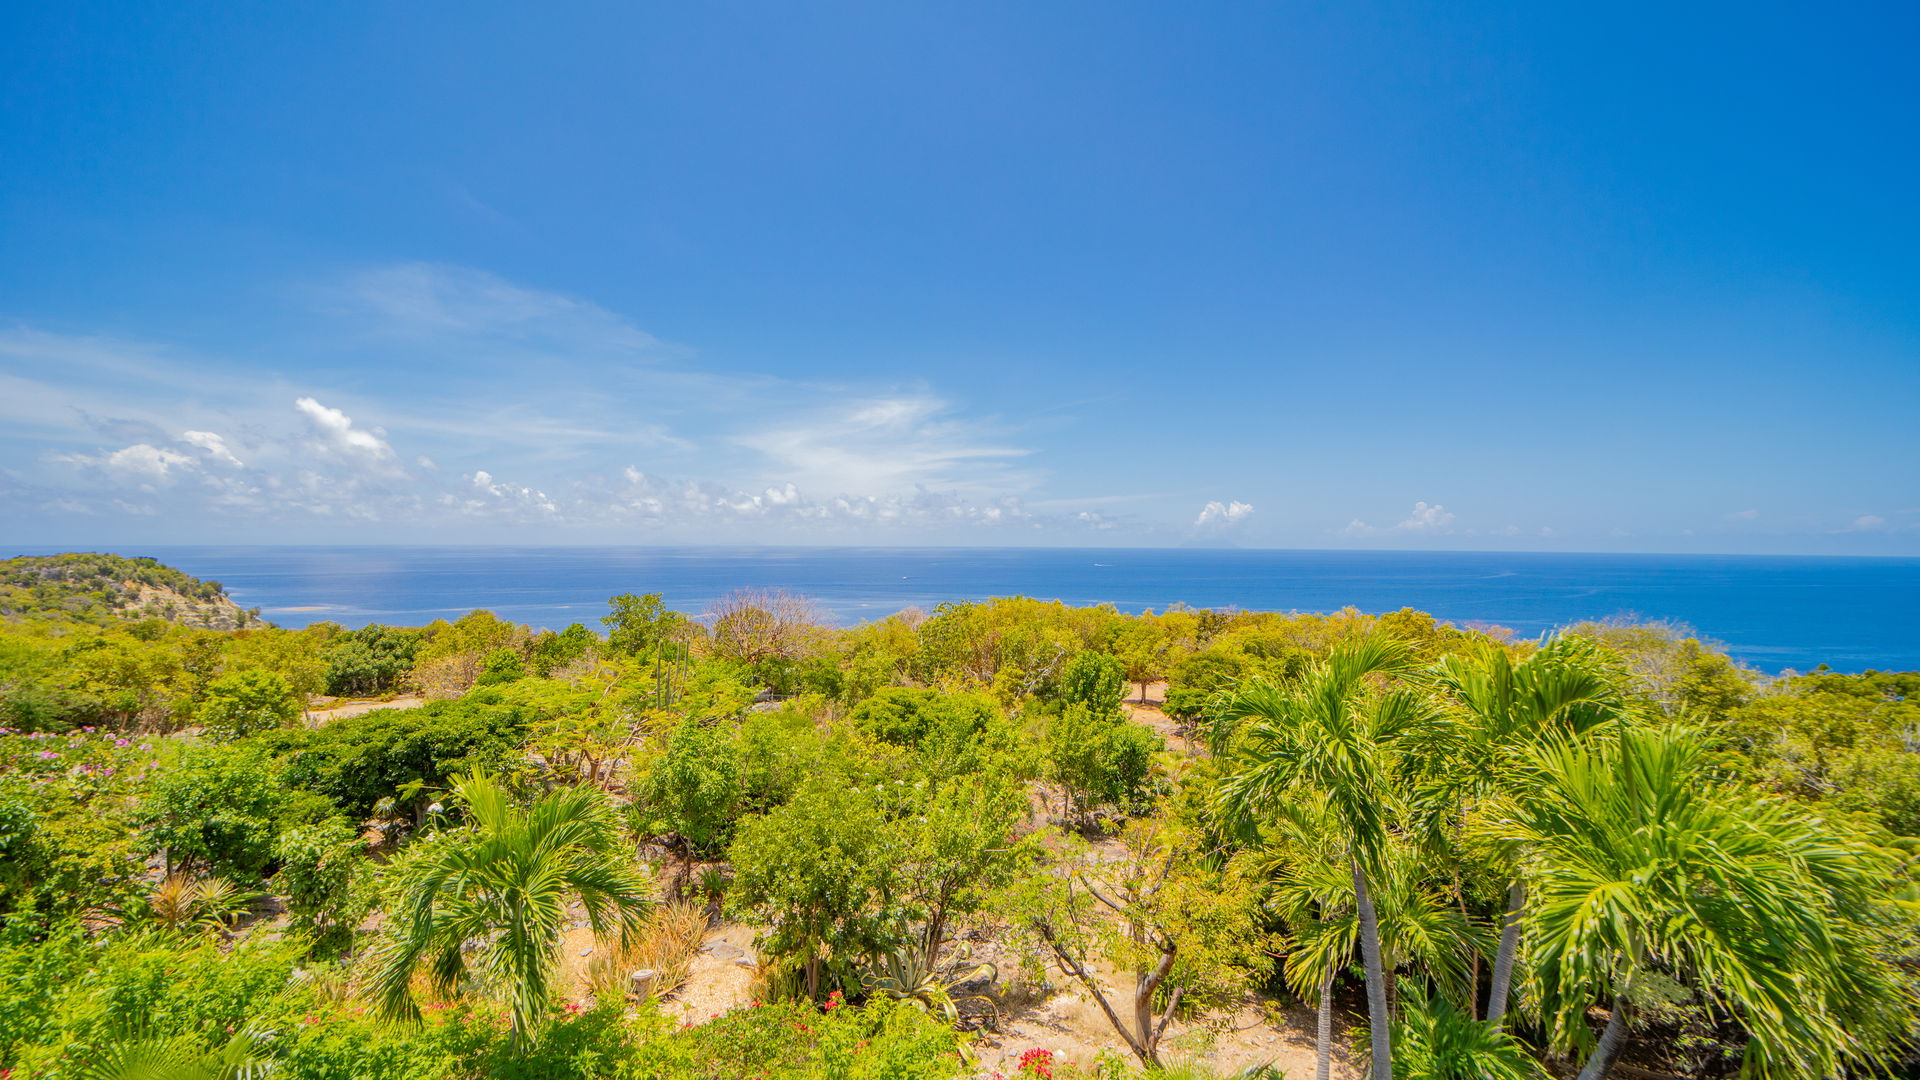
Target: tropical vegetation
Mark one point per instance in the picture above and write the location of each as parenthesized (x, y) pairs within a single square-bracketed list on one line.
[(477, 848)]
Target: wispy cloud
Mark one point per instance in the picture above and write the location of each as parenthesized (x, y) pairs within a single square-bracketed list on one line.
[(888, 446), (432, 299), (566, 430)]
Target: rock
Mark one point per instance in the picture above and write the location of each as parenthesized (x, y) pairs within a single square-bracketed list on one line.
[(722, 950)]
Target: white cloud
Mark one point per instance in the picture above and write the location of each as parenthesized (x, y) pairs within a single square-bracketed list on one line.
[(1222, 515), (552, 403), (140, 461), (513, 497), (1867, 523), (1424, 519), (1743, 515), (214, 446), (337, 434)]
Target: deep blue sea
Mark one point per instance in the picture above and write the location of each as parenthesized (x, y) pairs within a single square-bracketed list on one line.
[(1773, 612)]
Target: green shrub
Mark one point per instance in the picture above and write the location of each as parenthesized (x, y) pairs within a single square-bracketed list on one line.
[(693, 789), (908, 716), (356, 761), (243, 703), (217, 807), (819, 871), (317, 868), (371, 660)]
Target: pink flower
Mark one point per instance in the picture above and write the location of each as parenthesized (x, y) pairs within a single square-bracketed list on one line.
[(122, 742), (48, 755)]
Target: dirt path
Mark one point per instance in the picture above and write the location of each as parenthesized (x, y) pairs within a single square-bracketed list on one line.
[(1151, 712), (1065, 1019), (336, 710)]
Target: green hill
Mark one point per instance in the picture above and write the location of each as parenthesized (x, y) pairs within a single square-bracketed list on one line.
[(98, 588)]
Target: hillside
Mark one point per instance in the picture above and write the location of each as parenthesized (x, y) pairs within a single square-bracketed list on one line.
[(98, 588)]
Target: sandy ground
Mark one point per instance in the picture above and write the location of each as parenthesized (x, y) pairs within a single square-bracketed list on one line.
[(1069, 1022), (721, 978), (1062, 1017)]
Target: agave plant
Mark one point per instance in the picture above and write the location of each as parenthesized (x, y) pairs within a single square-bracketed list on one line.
[(905, 974), (181, 902)]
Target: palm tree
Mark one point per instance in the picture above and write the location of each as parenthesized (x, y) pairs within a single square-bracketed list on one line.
[(1641, 860), (242, 1058), (503, 880), (1436, 1041), (1335, 734), (1314, 896), (1565, 687)]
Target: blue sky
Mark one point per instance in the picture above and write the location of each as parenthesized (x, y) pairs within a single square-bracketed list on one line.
[(1297, 275)]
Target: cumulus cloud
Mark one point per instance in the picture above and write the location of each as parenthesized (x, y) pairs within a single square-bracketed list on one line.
[(1222, 515), (338, 435), (1867, 523), (1743, 515), (515, 497), (1425, 518)]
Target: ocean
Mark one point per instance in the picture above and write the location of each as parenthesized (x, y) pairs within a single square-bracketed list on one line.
[(1773, 612)]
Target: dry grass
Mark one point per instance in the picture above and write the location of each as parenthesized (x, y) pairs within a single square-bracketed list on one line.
[(666, 944)]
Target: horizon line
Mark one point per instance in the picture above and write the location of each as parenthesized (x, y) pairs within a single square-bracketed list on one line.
[(30, 550)]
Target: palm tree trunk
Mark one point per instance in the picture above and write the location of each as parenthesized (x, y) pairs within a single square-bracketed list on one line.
[(1503, 960), (1377, 1018), (1612, 1041), (1323, 1033), (1473, 979)]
